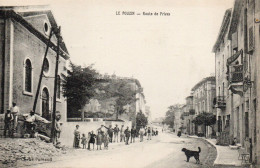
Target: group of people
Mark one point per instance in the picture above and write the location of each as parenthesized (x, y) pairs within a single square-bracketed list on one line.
[(105, 135), (11, 120), (29, 126)]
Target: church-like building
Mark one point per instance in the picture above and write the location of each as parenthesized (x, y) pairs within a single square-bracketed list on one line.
[(24, 34)]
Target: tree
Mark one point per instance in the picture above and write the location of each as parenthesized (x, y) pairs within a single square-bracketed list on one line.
[(79, 87), (206, 119), (170, 115), (121, 90), (141, 120)]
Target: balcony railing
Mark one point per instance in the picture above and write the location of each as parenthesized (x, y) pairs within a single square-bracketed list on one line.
[(192, 112), (221, 102), (236, 74)]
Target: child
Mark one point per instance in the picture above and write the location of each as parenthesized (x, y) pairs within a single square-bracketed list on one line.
[(84, 141), (99, 140), (106, 141), (91, 139)]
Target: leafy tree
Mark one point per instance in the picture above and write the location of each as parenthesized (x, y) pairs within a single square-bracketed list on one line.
[(206, 119), (79, 87), (121, 90), (170, 115), (141, 120)]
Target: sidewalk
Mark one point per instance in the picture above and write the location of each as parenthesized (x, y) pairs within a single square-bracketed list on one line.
[(225, 155)]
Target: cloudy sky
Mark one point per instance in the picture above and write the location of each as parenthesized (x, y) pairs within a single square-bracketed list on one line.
[(167, 54)]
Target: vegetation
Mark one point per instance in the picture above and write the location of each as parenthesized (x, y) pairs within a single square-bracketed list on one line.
[(170, 115), (141, 120), (79, 87), (206, 119), (122, 90)]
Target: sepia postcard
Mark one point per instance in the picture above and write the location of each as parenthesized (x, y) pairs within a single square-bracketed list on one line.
[(130, 84)]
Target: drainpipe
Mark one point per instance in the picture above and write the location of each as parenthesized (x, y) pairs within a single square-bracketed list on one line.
[(3, 66)]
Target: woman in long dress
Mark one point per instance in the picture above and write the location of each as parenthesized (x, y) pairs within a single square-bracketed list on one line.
[(99, 140), (76, 137)]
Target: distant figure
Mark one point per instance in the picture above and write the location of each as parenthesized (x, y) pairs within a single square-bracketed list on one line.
[(76, 137), (156, 132), (149, 132), (92, 139), (15, 112), (127, 135), (8, 119), (179, 133), (84, 141), (122, 134), (99, 140), (116, 131), (234, 142), (133, 134), (141, 132)]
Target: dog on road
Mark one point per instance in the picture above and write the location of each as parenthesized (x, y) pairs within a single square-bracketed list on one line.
[(190, 153)]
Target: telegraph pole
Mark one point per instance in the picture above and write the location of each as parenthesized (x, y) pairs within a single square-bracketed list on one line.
[(40, 77), (57, 32)]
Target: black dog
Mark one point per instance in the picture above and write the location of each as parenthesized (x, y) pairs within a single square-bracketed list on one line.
[(195, 154)]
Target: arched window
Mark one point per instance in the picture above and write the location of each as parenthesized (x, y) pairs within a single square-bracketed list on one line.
[(58, 86), (28, 76), (46, 66)]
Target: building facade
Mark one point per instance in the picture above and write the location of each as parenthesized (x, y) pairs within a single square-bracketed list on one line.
[(190, 109), (24, 35), (242, 70), (222, 50), (204, 93)]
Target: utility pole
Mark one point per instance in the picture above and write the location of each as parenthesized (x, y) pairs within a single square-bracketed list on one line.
[(40, 77), (57, 32)]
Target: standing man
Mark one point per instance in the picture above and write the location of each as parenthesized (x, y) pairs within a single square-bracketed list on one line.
[(110, 133), (15, 112), (122, 134), (127, 135), (116, 131), (141, 132), (133, 134), (8, 120), (149, 132)]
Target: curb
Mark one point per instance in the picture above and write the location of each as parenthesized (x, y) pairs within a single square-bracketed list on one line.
[(214, 164)]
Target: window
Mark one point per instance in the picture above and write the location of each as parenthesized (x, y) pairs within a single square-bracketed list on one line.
[(28, 76), (46, 66), (246, 125), (58, 86), (223, 62)]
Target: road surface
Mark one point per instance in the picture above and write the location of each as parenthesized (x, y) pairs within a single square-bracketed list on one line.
[(163, 151)]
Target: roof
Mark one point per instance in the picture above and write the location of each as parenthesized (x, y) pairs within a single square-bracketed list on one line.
[(189, 97), (235, 17), (18, 13), (223, 29), (210, 78)]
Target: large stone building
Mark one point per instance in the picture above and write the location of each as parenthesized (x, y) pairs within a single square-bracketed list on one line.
[(203, 95), (222, 50), (24, 33), (191, 111), (243, 62)]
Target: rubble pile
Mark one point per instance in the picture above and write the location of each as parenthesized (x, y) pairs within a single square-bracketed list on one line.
[(17, 152)]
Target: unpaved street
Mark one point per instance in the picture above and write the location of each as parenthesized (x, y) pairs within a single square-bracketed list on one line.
[(162, 151)]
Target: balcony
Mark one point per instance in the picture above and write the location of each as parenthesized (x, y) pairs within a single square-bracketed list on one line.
[(192, 112), (220, 102), (236, 74)]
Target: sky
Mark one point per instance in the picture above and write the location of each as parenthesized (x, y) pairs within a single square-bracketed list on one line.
[(167, 54)]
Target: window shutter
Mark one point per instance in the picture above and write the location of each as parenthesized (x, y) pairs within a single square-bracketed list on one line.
[(251, 39)]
